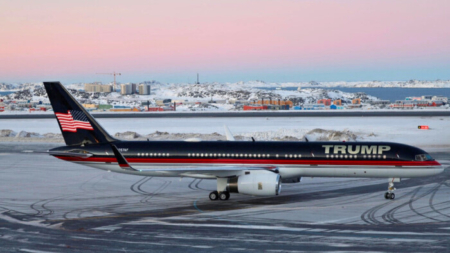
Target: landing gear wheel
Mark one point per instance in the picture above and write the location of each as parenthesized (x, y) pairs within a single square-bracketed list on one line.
[(224, 195), (390, 192), (214, 195)]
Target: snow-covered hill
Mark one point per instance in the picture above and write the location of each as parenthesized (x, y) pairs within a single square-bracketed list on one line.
[(191, 92)]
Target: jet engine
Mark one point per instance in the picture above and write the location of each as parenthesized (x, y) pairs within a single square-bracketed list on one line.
[(263, 183)]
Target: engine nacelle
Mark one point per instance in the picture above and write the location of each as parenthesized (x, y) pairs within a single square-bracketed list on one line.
[(261, 183)]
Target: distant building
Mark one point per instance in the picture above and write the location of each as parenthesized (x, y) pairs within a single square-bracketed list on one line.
[(354, 106), (440, 98), (379, 102), (336, 107), (413, 98), (126, 89), (104, 106), (313, 107), (133, 88), (144, 89), (269, 101), (162, 102), (94, 87), (326, 102), (356, 101), (255, 107), (90, 106)]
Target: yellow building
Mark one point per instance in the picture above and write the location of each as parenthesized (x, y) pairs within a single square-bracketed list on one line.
[(90, 106), (94, 87)]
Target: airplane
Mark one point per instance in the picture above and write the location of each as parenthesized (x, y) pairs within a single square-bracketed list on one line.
[(246, 167)]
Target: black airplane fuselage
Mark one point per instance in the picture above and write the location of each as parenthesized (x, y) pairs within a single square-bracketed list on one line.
[(289, 155)]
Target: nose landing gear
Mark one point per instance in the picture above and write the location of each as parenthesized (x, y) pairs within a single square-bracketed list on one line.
[(390, 192)]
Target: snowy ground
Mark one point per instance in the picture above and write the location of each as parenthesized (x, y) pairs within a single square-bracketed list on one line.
[(49, 205), (401, 129)]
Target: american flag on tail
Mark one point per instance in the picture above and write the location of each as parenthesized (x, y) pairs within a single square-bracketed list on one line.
[(73, 120)]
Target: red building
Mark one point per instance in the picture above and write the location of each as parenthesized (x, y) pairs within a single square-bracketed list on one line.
[(326, 102), (255, 108)]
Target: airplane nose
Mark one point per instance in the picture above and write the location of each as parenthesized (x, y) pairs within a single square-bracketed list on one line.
[(435, 163), (438, 168)]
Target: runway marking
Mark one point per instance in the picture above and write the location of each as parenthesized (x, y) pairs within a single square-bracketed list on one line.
[(334, 221), (146, 243), (263, 227), (195, 205), (35, 251)]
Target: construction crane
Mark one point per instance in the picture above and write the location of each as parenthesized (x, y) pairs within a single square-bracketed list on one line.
[(114, 74)]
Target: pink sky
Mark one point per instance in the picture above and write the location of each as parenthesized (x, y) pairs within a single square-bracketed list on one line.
[(172, 39)]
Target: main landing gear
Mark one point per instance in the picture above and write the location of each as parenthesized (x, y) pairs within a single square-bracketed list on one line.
[(390, 192), (222, 192), (215, 195)]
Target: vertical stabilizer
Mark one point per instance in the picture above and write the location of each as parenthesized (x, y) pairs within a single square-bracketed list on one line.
[(77, 126)]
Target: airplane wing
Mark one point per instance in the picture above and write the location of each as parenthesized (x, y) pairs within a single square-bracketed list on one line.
[(220, 171)]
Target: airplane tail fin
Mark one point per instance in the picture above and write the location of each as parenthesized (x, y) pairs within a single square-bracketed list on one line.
[(77, 126)]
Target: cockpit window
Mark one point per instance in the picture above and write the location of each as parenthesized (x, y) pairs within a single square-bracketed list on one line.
[(424, 157)]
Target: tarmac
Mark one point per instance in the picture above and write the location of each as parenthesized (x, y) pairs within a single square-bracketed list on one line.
[(48, 205)]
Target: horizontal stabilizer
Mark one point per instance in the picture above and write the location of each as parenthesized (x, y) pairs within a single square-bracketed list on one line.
[(70, 154), (121, 159)]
